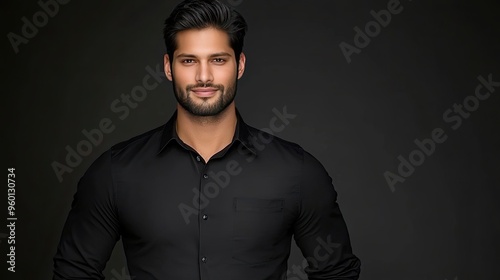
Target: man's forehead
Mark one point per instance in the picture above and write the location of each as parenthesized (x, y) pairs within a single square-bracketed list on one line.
[(207, 41)]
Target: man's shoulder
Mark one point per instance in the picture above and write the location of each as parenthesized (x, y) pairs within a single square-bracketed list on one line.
[(134, 144), (141, 146), (264, 139), (291, 148)]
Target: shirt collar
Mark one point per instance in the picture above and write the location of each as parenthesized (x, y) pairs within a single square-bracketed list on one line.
[(242, 133)]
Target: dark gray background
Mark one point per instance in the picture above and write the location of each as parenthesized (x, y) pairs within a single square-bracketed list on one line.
[(356, 118)]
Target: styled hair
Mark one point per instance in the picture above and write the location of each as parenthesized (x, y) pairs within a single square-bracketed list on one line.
[(200, 14)]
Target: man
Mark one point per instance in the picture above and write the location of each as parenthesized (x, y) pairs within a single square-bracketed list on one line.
[(205, 196)]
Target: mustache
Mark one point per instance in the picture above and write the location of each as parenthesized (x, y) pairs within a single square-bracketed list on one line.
[(205, 85)]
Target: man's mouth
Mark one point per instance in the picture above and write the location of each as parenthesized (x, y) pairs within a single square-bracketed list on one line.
[(204, 92)]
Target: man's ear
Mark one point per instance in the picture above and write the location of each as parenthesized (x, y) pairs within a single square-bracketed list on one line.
[(167, 67), (241, 65)]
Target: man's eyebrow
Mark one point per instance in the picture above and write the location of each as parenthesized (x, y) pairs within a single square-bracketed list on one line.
[(187, 55)]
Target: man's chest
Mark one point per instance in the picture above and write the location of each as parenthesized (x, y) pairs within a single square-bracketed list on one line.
[(220, 202)]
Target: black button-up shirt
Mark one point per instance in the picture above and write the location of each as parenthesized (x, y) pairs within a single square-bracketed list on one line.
[(181, 218)]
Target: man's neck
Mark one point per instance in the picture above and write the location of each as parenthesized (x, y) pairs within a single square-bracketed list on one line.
[(207, 135)]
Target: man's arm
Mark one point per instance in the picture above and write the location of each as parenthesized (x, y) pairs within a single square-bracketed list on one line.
[(320, 231), (91, 229)]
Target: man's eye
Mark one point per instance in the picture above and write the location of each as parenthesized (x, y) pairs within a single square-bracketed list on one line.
[(219, 60), (187, 61)]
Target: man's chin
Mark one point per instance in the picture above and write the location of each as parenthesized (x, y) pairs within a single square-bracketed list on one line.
[(203, 111)]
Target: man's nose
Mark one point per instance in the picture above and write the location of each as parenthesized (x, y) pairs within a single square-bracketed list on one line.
[(204, 73)]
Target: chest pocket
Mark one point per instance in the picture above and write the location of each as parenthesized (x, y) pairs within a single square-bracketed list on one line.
[(257, 227)]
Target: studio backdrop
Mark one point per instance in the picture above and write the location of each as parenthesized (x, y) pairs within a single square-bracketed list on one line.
[(397, 99)]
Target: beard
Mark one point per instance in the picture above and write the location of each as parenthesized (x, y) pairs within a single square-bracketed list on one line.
[(211, 106)]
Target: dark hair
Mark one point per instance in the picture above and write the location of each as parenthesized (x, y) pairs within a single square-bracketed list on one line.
[(199, 14)]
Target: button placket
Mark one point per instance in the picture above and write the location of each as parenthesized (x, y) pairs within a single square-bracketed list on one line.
[(204, 217)]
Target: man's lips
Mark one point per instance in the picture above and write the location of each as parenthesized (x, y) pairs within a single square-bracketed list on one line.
[(204, 91)]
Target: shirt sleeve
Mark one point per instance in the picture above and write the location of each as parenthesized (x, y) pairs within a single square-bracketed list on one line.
[(320, 230), (91, 229)]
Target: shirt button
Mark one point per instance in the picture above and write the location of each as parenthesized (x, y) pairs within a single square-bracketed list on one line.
[(198, 158), (204, 259), (205, 217), (205, 176)]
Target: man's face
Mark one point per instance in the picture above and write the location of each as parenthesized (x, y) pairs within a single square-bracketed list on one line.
[(204, 73)]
